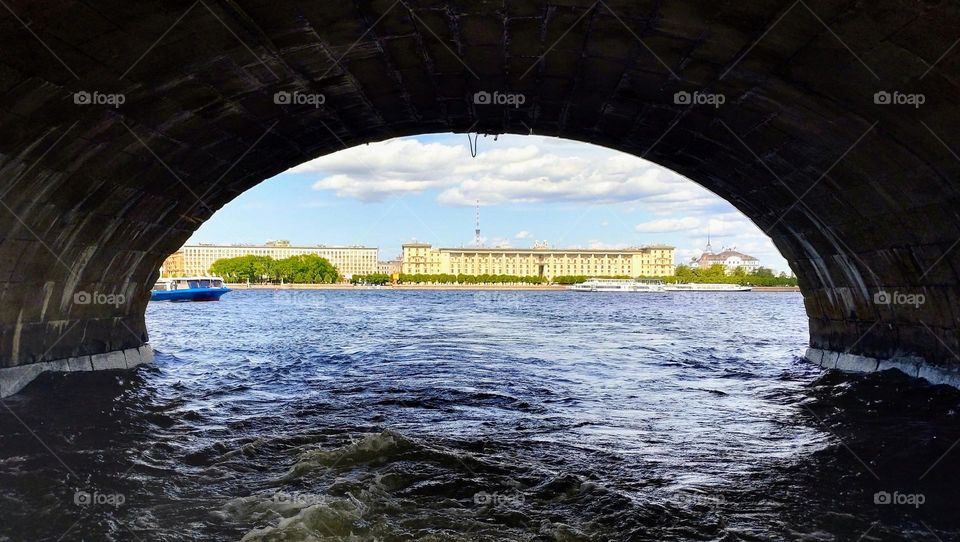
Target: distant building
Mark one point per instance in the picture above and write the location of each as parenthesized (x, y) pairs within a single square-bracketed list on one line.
[(197, 259), (541, 261), (389, 267), (729, 258), (173, 266)]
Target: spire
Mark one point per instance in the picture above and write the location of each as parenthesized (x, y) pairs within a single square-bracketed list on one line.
[(709, 248), (476, 232)]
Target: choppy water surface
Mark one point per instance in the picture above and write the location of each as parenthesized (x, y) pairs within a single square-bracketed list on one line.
[(400, 415)]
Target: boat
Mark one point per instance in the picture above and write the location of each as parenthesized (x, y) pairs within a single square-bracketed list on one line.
[(706, 287), (619, 285), (188, 289)]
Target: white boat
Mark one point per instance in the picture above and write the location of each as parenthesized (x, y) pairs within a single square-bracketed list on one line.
[(619, 285), (693, 287)]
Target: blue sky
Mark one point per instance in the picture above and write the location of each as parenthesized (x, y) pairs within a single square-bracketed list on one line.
[(530, 188)]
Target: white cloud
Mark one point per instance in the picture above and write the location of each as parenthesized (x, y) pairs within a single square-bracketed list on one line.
[(668, 225), (595, 244), (510, 174), (729, 229), (532, 170)]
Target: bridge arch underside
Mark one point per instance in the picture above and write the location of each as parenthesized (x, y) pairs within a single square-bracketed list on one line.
[(859, 196)]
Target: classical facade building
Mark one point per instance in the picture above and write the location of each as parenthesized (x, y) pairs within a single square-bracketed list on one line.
[(730, 259), (648, 261), (197, 259), (173, 266)]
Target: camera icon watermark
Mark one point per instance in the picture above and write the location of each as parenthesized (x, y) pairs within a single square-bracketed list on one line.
[(498, 300), (683, 97), (514, 99), (299, 298), (896, 97), (506, 500), (83, 97), (95, 498), (695, 499), (97, 298), (908, 499), (299, 98), (296, 498), (884, 297)]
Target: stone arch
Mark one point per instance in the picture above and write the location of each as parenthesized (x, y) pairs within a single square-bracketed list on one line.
[(126, 125)]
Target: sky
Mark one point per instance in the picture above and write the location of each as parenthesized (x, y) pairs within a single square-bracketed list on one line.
[(529, 188)]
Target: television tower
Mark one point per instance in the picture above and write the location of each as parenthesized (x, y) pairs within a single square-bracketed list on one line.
[(476, 232)]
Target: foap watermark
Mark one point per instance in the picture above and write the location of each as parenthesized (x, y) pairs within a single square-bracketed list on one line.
[(83, 97), (299, 298), (498, 300), (97, 298), (699, 98), (509, 500), (696, 499), (299, 98), (884, 297), (906, 499), (514, 99), (896, 97), (95, 498), (296, 498)]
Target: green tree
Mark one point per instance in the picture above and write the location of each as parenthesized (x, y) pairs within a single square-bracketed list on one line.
[(373, 278)]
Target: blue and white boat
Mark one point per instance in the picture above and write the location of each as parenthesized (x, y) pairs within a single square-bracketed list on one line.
[(188, 289)]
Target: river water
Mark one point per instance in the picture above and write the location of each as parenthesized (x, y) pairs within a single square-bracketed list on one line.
[(451, 415)]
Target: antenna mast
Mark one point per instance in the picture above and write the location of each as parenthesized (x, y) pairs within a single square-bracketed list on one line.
[(476, 232)]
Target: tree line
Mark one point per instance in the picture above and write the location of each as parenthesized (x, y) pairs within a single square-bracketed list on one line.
[(377, 279), (715, 274), (312, 269), (407, 278), (302, 269)]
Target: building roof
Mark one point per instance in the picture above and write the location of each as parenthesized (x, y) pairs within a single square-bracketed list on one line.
[(300, 247), (555, 250), (723, 255)]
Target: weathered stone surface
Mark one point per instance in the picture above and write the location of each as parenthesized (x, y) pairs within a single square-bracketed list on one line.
[(913, 366), (14, 379), (138, 356), (860, 196), (853, 362), (109, 360), (146, 354)]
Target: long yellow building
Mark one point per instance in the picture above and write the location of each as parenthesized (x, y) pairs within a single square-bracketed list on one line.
[(647, 261), (195, 260)]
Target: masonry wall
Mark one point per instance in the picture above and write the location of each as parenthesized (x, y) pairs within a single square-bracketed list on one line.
[(125, 126)]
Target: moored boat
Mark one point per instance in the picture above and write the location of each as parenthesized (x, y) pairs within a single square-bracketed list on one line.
[(619, 285), (707, 287), (188, 289)]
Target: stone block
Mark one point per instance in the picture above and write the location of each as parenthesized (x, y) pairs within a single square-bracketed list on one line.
[(132, 357), (14, 379), (938, 375), (81, 363), (906, 365), (146, 354), (108, 361), (830, 359), (814, 355), (855, 363)]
